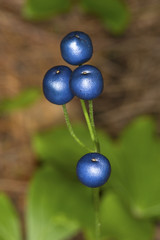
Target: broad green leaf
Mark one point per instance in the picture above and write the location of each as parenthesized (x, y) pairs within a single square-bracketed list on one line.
[(24, 99), (118, 224), (9, 222), (113, 13), (58, 147), (40, 9), (57, 206), (136, 168)]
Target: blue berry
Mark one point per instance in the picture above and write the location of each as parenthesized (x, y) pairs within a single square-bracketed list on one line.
[(56, 85), (87, 82), (76, 48), (93, 169)]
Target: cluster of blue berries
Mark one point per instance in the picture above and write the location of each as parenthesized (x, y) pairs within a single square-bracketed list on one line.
[(60, 85)]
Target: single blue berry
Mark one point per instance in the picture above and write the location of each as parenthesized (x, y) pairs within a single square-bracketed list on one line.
[(93, 169), (87, 82), (56, 85), (76, 48)]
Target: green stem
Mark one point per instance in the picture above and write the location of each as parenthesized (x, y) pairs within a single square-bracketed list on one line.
[(97, 215), (88, 122), (91, 115), (71, 129), (91, 126)]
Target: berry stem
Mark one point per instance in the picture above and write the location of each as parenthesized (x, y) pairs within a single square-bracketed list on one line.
[(97, 215), (96, 190), (68, 123), (91, 115), (88, 121), (91, 126)]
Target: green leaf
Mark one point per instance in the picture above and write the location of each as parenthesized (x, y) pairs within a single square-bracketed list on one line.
[(118, 224), (135, 161), (9, 222), (58, 147), (24, 99), (136, 168), (57, 206), (114, 14), (40, 9)]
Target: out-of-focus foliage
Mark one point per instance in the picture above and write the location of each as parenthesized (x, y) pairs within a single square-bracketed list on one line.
[(136, 177), (134, 182), (114, 14), (59, 205), (119, 224), (40, 9), (9, 222), (24, 99), (55, 146)]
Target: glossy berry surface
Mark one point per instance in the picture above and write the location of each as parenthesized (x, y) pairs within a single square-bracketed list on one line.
[(76, 48), (87, 82), (93, 170), (56, 85)]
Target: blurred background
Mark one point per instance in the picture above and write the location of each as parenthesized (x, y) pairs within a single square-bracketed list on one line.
[(125, 38)]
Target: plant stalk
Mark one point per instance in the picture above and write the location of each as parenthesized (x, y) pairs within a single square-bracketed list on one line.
[(91, 115), (68, 123), (97, 215), (88, 121), (96, 198)]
